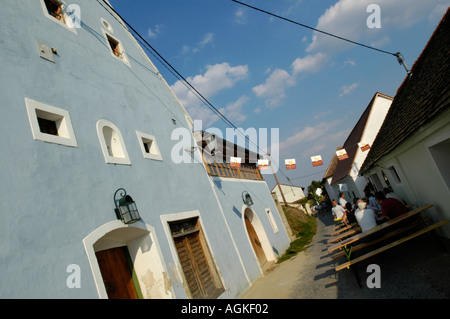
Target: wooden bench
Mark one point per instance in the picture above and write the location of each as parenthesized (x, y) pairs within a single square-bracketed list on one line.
[(364, 245), (343, 235), (379, 228), (391, 245), (343, 229)]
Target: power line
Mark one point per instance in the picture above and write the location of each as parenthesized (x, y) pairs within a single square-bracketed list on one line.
[(314, 29), (166, 64), (180, 77)]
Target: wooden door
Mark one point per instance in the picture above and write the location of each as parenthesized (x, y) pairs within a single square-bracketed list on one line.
[(116, 273), (195, 266), (257, 246)]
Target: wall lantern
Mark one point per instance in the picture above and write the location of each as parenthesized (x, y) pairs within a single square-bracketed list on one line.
[(247, 199), (126, 209)]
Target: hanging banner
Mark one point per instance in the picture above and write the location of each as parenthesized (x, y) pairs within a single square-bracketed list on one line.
[(290, 164), (316, 160), (235, 162), (341, 154), (364, 146), (263, 164)]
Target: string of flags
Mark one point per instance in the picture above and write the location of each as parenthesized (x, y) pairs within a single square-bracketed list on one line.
[(316, 160)]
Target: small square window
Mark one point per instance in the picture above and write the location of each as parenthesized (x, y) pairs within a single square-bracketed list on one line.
[(116, 48), (56, 11), (50, 124), (149, 147)]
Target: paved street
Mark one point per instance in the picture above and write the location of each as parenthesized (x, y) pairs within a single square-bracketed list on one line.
[(417, 269)]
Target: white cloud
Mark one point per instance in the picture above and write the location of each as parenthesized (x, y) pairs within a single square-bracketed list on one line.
[(309, 134), (207, 39), (233, 111), (330, 142), (240, 16), (275, 87), (217, 77), (347, 18), (346, 89), (154, 32), (322, 114), (310, 63)]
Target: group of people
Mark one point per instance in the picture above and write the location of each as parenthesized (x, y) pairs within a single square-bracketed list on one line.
[(370, 211)]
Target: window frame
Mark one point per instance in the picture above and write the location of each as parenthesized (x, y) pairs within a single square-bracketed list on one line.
[(154, 153), (123, 55), (67, 23), (272, 220), (111, 159), (61, 117)]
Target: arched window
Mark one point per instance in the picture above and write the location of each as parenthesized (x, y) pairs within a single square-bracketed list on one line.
[(112, 144)]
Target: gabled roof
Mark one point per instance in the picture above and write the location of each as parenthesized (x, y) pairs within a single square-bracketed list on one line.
[(420, 98), (332, 167), (343, 167)]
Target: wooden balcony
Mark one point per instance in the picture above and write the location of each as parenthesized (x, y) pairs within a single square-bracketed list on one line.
[(246, 171)]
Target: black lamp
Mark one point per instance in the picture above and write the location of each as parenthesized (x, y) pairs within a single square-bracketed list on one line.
[(126, 209), (247, 199)]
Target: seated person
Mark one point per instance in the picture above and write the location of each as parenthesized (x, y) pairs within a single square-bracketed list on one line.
[(372, 203), (349, 215), (390, 207), (389, 194), (365, 217), (337, 211)]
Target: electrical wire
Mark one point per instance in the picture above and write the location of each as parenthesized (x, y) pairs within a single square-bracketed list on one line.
[(173, 70), (180, 77), (314, 29), (183, 80)]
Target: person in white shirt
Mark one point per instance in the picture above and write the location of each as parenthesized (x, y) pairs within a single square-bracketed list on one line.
[(365, 217), (337, 211), (342, 200)]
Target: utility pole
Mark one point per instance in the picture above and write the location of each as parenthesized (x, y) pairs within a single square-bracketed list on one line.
[(276, 179)]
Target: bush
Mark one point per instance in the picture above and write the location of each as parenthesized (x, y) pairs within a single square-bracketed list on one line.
[(303, 226)]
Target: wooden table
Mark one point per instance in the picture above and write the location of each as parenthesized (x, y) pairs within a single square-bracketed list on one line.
[(379, 228)]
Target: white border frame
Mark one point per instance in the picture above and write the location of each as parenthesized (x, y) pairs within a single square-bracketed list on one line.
[(90, 240), (272, 221), (154, 156), (124, 58), (68, 140), (261, 233), (435, 141), (108, 158), (68, 21)]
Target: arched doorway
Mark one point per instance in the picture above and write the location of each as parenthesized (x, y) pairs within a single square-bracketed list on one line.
[(258, 238), (126, 262), (256, 243)]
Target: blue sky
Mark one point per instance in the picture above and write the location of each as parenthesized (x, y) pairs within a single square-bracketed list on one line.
[(263, 72)]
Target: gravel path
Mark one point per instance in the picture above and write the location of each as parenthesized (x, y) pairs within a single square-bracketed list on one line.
[(417, 269)]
